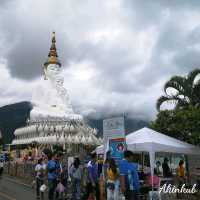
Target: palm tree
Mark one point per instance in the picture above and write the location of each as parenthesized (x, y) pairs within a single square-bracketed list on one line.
[(187, 91)]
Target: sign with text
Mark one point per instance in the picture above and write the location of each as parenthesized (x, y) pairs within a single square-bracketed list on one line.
[(113, 128)]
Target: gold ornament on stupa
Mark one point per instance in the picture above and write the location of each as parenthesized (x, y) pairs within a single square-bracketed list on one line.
[(52, 56)]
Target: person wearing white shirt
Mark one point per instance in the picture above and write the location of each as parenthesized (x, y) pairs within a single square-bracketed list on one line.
[(40, 171)]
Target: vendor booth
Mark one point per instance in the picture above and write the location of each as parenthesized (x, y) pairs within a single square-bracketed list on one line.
[(148, 140)]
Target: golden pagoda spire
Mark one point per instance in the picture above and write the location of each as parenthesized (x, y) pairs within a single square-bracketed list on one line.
[(52, 56)]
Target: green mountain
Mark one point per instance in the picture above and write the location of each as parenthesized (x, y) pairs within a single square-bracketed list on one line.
[(12, 117)]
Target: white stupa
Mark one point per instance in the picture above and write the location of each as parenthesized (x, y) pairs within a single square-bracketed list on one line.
[(52, 119)]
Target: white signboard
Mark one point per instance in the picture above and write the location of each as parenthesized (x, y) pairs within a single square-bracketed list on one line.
[(113, 128)]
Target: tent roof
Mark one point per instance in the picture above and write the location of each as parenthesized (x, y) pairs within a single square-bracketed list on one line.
[(147, 139)]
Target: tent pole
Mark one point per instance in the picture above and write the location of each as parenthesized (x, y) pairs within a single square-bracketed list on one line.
[(142, 161), (152, 161), (187, 166)]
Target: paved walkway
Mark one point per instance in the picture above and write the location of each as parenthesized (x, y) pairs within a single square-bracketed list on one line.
[(11, 189)]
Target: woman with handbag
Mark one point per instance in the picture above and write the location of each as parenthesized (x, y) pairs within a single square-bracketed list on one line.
[(112, 181)]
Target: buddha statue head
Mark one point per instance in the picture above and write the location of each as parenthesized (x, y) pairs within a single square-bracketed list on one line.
[(52, 71)]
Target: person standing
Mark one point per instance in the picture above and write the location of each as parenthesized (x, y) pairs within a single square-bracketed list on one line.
[(53, 168), (76, 175), (166, 170), (93, 185), (129, 177), (40, 171), (181, 171), (112, 181), (1, 167), (158, 164), (181, 178)]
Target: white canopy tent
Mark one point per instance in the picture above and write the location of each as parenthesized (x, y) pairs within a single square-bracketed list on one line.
[(148, 140)]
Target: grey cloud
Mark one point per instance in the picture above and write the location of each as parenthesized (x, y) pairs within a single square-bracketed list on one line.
[(113, 64), (194, 35), (182, 45), (26, 58), (174, 52), (4, 3), (142, 13), (28, 42), (187, 60)]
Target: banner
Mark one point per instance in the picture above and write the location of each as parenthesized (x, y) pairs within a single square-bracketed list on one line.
[(113, 128), (117, 147)]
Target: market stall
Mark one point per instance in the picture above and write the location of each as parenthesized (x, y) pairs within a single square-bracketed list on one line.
[(148, 140)]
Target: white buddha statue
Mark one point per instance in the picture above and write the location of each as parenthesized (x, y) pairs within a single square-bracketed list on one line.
[(51, 99)]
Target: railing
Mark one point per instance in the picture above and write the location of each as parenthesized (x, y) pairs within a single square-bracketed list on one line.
[(23, 171)]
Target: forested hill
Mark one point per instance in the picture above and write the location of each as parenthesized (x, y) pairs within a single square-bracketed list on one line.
[(15, 115), (11, 117)]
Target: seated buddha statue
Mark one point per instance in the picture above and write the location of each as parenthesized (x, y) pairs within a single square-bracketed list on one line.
[(50, 98)]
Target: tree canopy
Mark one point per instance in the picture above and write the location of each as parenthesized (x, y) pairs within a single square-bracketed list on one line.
[(182, 122), (186, 91)]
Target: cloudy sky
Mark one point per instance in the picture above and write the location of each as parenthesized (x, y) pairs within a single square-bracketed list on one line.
[(116, 54)]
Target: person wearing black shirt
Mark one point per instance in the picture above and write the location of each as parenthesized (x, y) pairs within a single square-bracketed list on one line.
[(166, 169)]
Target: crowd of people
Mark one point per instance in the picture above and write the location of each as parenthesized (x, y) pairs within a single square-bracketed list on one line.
[(98, 179), (109, 180), (85, 179)]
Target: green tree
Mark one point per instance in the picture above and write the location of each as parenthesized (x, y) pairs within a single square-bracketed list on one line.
[(183, 124), (187, 91)]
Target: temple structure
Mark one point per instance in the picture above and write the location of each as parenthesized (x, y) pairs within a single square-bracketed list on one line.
[(52, 119)]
